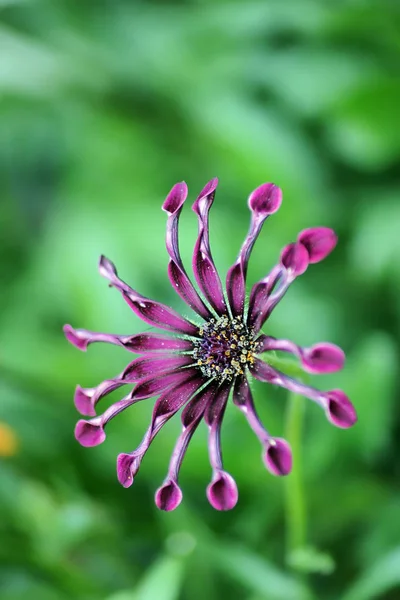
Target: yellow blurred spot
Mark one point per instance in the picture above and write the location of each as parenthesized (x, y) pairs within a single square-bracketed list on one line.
[(8, 441)]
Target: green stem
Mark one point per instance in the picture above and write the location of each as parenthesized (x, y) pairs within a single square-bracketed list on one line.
[(295, 502)]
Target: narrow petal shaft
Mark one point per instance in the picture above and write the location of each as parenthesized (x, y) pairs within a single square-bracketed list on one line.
[(139, 343), (176, 271), (204, 268), (263, 201), (320, 358), (166, 407), (277, 454)]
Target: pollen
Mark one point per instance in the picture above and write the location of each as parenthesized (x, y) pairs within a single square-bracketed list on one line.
[(225, 348)]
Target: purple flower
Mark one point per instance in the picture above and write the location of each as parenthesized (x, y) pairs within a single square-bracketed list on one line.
[(196, 366)]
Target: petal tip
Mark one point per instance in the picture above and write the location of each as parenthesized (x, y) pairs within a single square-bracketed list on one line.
[(266, 199), (106, 268), (222, 492), (83, 402), (278, 457), (168, 496), (175, 198), (339, 409), (74, 338), (89, 434), (318, 241), (323, 358), (295, 258), (127, 467)]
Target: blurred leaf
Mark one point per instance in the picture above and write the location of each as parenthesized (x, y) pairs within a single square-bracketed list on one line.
[(162, 580), (311, 560), (376, 244), (361, 130), (378, 579), (257, 574)]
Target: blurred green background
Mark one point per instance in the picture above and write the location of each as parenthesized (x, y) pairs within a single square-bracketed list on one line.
[(104, 105)]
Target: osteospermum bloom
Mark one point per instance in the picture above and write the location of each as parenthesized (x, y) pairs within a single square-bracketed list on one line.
[(196, 366)]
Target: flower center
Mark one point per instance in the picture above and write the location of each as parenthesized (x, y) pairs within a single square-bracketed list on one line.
[(225, 348)]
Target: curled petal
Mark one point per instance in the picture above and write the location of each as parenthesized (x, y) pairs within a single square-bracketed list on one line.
[(222, 492), (294, 258), (127, 467), (278, 457), (175, 199), (89, 434), (323, 358), (266, 199), (204, 268), (78, 337), (176, 271), (83, 401), (86, 399), (319, 242), (339, 410), (320, 358), (168, 496)]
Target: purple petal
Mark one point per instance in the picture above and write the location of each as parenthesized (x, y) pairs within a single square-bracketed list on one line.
[(149, 342), (243, 399), (138, 343), (184, 288), (320, 358), (294, 258), (337, 405), (323, 358), (150, 311), (222, 492), (264, 372), (266, 199), (319, 242), (86, 399), (166, 406), (278, 457), (176, 271), (175, 199), (159, 315), (194, 410), (262, 202), (261, 291), (276, 452), (151, 386), (153, 365), (204, 269), (236, 288), (339, 410), (168, 496), (89, 434), (127, 467)]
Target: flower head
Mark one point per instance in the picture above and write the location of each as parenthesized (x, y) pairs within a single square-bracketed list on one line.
[(195, 367)]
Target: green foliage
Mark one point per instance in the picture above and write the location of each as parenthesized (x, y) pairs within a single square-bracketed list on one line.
[(103, 106)]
